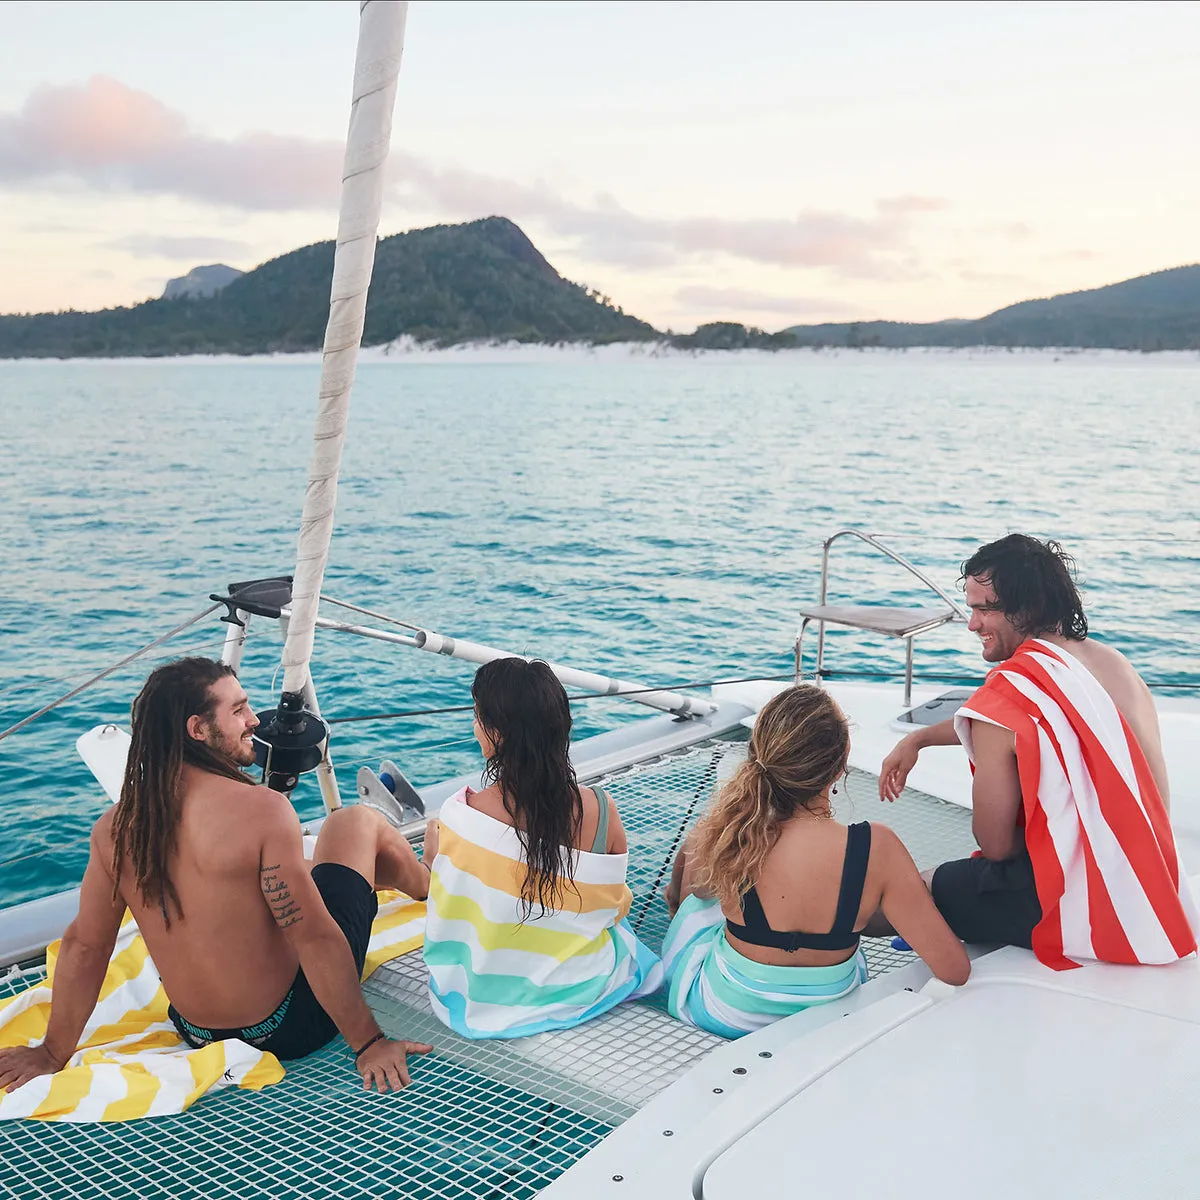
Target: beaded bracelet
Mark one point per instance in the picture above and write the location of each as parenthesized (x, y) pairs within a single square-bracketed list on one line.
[(359, 1053)]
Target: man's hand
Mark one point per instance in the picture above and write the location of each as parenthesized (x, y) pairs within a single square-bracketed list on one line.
[(383, 1064), (894, 773), (895, 769), (20, 1064)]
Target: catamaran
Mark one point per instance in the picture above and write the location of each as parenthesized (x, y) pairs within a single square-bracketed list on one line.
[(1053, 1084)]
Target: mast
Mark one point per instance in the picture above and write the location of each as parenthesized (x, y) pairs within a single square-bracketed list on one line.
[(297, 736), (377, 64)]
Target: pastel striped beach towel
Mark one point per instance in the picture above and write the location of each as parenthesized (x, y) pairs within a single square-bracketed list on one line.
[(131, 1062), (713, 986), (492, 975), (1104, 859)]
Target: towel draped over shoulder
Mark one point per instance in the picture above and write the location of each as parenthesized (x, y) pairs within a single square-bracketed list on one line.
[(1104, 859), (493, 974)]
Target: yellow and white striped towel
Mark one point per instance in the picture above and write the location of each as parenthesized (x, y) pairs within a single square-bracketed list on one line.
[(131, 1062)]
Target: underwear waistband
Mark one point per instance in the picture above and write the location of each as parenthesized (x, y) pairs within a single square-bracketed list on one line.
[(248, 1033)]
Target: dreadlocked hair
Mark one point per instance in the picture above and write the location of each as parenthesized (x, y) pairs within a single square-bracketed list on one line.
[(146, 820), (524, 710), (799, 747)]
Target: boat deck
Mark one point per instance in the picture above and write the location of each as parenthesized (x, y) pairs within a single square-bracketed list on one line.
[(481, 1120)]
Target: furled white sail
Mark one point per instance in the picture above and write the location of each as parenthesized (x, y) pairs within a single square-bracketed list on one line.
[(377, 65)]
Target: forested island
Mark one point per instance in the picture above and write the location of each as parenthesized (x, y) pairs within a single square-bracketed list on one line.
[(446, 284), (1152, 312), (486, 281)]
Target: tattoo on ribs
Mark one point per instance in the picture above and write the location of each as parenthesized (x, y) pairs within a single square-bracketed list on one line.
[(279, 896)]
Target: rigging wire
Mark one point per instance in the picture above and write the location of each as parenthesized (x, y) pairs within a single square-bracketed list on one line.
[(457, 708), (41, 712), (1116, 538), (14, 676), (366, 612), (877, 676), (344, 766)]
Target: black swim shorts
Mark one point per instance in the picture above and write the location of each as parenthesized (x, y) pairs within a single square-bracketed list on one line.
[(300, 1025), (987, 902)]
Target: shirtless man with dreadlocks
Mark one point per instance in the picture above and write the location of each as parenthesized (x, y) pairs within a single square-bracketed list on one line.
[(249, 941)]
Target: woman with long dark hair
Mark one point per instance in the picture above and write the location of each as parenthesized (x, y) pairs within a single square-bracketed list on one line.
[(526, 927), (772, 892)]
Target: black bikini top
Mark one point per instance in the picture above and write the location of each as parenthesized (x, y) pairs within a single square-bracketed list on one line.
[(757, 930)]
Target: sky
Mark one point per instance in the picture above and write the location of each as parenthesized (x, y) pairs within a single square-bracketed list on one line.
[(769, 163)]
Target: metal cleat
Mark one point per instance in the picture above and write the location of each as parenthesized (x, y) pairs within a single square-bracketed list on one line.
[(374, 793)]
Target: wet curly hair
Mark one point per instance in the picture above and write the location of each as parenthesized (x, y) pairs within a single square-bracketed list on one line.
[(1034, 584)]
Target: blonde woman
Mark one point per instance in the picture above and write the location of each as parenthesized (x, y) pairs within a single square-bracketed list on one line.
[(771, 893)]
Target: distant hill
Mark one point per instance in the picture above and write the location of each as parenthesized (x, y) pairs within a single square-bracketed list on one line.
[(487, 281), (446, 284), (730, 335), (1152, 312), (201, 281)]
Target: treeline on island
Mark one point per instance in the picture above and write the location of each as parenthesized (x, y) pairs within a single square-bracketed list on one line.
[(446, 284), (1152, 312), (486, 281)]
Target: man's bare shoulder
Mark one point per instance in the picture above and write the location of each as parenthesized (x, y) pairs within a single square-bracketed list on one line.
[(228, 803), (1108, 664), (260, 805)]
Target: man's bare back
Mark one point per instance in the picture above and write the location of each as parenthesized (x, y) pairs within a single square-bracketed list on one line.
[(226, 958), (248, 942), (1116, 675)]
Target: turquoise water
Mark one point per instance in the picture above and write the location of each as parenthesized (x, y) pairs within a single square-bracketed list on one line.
[(660, 520)]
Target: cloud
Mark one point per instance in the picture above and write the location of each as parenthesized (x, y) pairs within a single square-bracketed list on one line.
[(605, 231), (185, 249), (737, 299), (106, 135), (110, 136)]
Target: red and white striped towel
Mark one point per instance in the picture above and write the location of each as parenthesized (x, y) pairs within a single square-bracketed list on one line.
[(1104, 860)]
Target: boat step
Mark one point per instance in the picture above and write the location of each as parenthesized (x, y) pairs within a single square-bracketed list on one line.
[(891, 622)]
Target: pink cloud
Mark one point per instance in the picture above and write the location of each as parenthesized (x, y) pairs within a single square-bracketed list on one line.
[(107, 135), (103, 134)]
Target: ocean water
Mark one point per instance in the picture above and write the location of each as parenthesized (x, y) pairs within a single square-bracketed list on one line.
[(660, 520)]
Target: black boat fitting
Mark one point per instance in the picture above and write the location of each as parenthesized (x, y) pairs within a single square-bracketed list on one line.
[(288, 741)]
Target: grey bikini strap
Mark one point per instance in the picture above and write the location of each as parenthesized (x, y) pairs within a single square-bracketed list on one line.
[(600, 844)]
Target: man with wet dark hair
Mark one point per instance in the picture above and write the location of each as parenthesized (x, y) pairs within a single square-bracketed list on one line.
[(1070, 795)]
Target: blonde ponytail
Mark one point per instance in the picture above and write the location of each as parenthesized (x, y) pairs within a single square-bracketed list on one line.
[(799, 747)]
